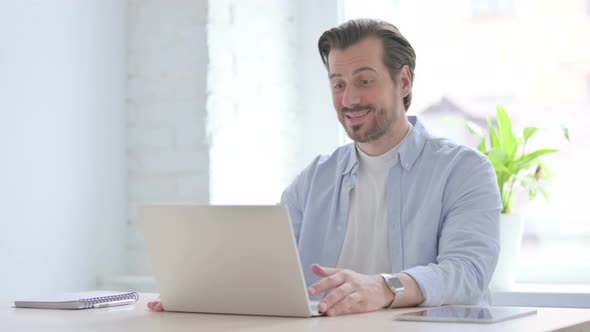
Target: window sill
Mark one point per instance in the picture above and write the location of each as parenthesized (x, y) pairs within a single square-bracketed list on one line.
[(544, 295)]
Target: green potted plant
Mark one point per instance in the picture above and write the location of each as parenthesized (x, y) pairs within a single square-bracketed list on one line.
[(513, 164), (515, 168)]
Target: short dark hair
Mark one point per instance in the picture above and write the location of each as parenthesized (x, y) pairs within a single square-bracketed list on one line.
[(397, 51)]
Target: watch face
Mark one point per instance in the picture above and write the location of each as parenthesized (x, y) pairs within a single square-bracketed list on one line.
[(395, 282)]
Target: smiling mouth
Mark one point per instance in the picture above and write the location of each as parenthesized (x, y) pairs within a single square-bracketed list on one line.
[(357, 114)]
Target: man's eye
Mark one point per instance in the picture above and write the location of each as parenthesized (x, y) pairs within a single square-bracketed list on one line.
[(338, 86), (366, 82)]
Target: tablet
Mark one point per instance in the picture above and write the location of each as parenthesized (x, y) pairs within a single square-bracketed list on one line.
[(464, 314)]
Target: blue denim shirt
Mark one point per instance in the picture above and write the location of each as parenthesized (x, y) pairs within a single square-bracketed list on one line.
[(443, 215)]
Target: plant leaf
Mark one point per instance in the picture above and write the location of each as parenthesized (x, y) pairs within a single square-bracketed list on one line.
[(527, 160), (494, 141), (566, 132), (499, 159), (532, 193), (543, 192), (547, 175), (481, 147), (475, 129), (507, 138), (528, 132)]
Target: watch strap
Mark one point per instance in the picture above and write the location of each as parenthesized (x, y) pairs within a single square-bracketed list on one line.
[(396, 286)]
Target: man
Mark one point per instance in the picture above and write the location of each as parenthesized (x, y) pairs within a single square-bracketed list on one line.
[(399, 218)]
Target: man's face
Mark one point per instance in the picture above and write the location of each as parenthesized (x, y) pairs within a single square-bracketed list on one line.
[(364, 95)]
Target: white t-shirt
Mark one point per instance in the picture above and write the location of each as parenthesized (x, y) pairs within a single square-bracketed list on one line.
[(366, 244)]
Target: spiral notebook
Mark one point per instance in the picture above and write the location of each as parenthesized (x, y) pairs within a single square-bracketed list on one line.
[(80, 301)]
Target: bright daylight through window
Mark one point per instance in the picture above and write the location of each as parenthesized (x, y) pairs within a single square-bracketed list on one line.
[(533, 58)]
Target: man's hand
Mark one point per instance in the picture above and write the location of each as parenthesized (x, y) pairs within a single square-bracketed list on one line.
[(351, 292), (156, 305)]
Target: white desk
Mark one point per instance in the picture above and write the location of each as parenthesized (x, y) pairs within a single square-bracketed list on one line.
[(138, 317)]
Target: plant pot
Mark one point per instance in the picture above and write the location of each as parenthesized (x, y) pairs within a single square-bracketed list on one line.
[(511, 227)]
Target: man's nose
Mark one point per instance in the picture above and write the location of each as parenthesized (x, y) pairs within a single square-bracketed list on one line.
[(351, 97)]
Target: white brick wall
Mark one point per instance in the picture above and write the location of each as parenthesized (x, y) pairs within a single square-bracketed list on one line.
[(252, 104), (243, 62), (167, 149)]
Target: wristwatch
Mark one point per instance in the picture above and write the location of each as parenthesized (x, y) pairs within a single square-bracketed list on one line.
[(396, 286)]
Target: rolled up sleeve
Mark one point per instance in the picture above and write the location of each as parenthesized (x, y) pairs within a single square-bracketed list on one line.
[(468, 246)]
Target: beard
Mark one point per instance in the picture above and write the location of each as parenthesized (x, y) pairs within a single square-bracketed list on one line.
[(382, 120)]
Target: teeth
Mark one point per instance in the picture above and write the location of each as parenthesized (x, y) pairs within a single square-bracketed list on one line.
[(357, 115)]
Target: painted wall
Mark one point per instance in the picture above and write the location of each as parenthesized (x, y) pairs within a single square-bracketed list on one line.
[(62, 144)]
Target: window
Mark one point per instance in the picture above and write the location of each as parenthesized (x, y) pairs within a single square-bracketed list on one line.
[(467, 68), (492, 7)]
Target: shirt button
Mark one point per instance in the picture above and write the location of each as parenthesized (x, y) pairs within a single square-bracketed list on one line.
[(407, 165), (339, 228)]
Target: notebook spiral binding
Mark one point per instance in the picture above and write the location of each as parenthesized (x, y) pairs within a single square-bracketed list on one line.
[(91, 302)]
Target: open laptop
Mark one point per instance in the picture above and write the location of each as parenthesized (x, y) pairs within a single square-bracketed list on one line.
[(226, 259)]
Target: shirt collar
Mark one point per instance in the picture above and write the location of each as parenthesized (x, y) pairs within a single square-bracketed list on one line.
[(408, 152)]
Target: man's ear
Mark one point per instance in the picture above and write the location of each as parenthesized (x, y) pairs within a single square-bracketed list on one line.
[(405, 80)]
